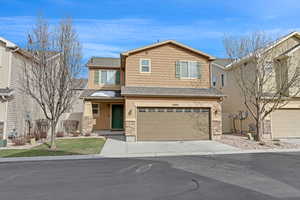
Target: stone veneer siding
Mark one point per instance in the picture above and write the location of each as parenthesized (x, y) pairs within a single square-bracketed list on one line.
[(87, 119)]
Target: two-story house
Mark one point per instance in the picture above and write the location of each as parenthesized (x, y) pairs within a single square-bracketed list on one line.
[(157, 92), (283, 122), (15, 107)]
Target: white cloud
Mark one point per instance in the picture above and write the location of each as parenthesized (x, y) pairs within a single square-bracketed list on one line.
[(112, 36), (94, 49)]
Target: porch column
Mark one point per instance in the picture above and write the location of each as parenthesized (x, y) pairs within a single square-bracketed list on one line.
[(87, 120)]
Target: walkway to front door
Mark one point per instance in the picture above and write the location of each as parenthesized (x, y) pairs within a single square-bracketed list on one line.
[(117, 116)]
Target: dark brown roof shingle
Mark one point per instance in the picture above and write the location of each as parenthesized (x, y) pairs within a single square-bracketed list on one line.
[(104, 62), (171, 92)]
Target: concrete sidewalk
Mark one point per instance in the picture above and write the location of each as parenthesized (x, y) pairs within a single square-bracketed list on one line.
[(117, 148)]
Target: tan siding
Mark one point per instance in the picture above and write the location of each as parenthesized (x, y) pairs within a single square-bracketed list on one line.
[(4, 66), (103, 120), (21, 104), (217, 72), (234, 103), (162, 74)]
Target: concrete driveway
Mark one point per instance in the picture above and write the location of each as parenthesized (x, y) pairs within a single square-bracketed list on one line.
[(116, 147), (291, 140)]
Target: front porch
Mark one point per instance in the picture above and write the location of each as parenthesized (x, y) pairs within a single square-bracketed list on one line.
[(105, 117), (103, 113)]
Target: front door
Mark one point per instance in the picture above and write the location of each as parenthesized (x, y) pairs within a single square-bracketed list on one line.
[(117, 116)]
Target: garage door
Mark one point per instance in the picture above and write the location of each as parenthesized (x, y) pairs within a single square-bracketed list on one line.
[(167, 124), (286, 123)]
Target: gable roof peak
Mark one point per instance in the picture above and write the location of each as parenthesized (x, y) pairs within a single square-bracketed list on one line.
[(127, 53)]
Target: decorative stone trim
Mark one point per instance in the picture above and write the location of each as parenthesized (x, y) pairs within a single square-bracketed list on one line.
[(130, 127), (87, 124), (216, 129)]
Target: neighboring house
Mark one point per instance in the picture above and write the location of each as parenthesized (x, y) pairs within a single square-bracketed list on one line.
[(157, 92), (15, 107), (76, 112), (281, 123), (219, 81)]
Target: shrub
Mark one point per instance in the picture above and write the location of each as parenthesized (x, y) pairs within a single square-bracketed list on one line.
[(75, 134), (37, 135), (60, 134), (19, 141), (41, 129), (43, 135), (70, 126)]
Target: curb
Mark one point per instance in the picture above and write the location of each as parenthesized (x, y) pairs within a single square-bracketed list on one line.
[(200, 153), (99, 156), (50, 158)]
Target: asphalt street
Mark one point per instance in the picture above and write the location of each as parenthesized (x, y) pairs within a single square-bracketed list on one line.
[(270, 176)]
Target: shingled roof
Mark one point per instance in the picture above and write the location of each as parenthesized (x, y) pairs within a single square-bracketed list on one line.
[(104, 62), (171, 92), (222, 62)]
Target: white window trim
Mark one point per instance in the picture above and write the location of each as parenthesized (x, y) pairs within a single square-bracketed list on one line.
[(141, 59), (108, 84), (188, 78)]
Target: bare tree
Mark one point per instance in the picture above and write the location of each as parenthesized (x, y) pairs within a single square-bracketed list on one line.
[(50, 80), (267, 74)]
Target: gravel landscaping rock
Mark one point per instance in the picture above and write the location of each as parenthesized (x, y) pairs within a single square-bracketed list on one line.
[(242, 142)]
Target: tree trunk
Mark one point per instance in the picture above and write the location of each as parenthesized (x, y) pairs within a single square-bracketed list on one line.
[(259, 130), (234, 128), (52, 142), (241, 126)]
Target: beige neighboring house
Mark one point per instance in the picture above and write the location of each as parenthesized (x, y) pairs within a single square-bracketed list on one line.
[(219, 80), (283, 122), (76, 111), (15, 107), (157, 92)]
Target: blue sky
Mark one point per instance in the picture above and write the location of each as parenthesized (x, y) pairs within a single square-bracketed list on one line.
[(108, 27)]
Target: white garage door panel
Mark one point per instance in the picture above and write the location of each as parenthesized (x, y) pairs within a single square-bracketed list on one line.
[(286, 123)]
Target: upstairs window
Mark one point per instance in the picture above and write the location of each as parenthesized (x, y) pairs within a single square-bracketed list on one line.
[(222, 80), (188, 69), (107, 77), (145, 65), (214, 81)]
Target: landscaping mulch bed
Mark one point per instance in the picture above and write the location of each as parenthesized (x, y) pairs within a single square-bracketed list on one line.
[(242, 142)]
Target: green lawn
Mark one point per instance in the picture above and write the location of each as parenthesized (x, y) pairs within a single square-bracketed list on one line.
[(78, 146)]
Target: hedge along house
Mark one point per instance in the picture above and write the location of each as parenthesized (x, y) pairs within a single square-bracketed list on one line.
[(158, 92)]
